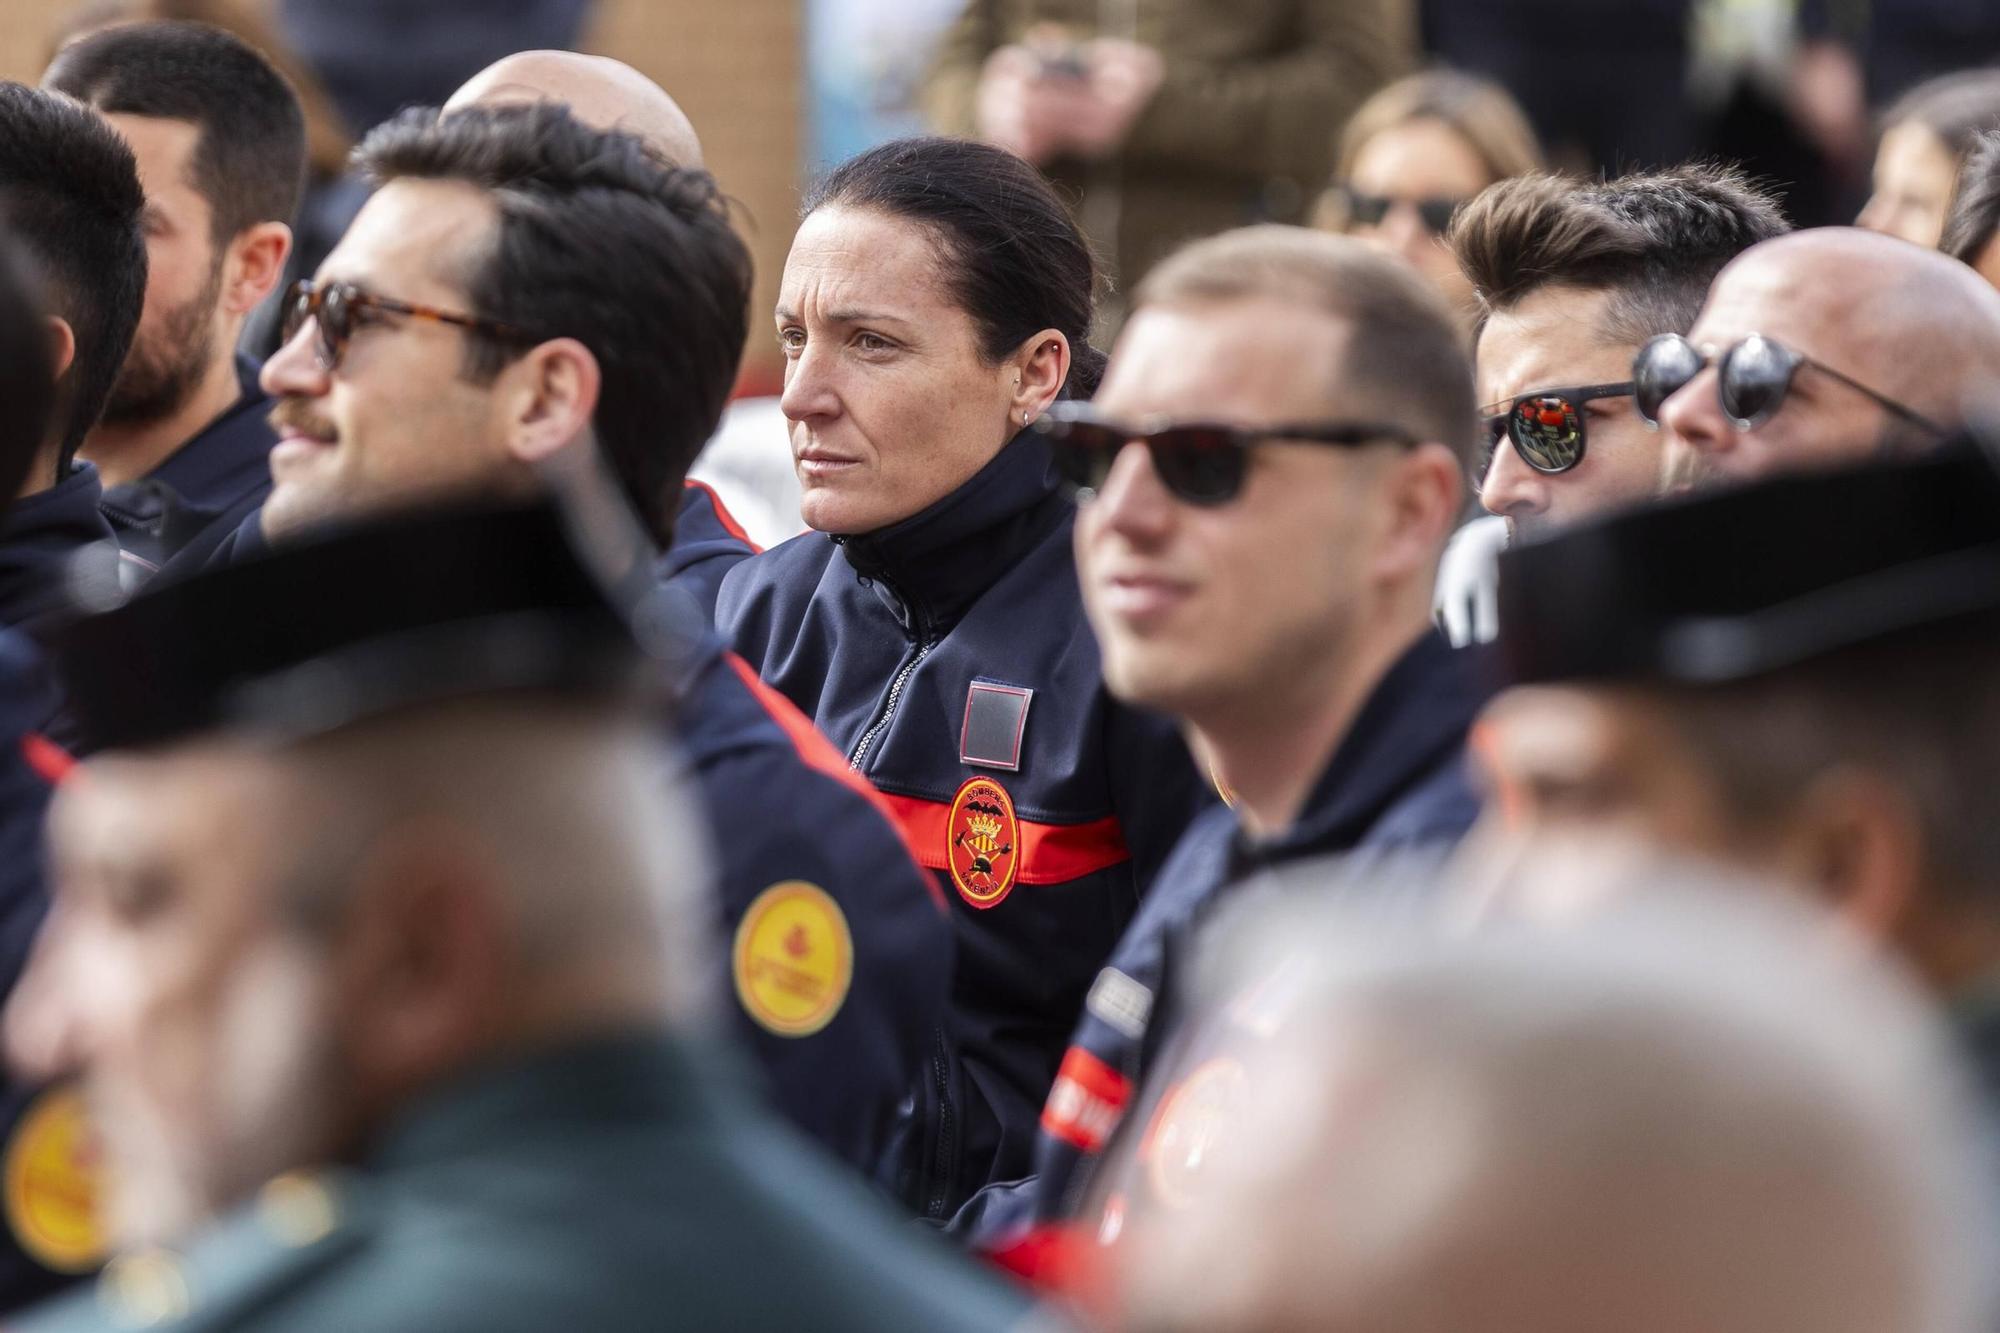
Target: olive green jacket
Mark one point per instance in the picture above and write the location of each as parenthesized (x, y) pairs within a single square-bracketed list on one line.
[(607, 1187), (1242, 128)]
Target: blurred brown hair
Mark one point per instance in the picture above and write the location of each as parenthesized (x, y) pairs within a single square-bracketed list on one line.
[(1477, 110)]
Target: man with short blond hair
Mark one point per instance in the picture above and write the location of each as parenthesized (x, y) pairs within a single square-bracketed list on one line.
[(1257, 564)]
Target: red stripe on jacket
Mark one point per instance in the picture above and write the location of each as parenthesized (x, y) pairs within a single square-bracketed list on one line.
[(1050, 853), (818, 754), (47, 758), (723, 516)]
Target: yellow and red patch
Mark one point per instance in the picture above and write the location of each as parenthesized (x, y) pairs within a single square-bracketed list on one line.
[(794, 959), (984, 851), (51, 1184)]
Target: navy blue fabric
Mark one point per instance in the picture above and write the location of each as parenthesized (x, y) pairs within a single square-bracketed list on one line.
[(980, 586), (25, 702), (194, 500), (705, 548), (1397, 781), (777, 818), (39, 536)]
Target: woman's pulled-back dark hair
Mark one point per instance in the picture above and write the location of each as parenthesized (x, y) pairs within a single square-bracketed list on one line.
[(1011, 251)]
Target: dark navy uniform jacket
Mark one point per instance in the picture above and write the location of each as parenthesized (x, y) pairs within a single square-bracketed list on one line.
[(39, 538), (839, 1051), (612, 1185), (842, 1048), (708, 543), (949, 658), (1398, 780), (198, 497)]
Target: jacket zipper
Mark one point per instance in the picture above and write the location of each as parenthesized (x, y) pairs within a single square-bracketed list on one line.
[(944, 1162), (896, 684), (922, 639)]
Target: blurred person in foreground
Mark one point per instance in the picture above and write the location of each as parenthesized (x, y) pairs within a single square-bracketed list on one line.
[(1801, 677), (1823, 347), (1926, 135), (412, 373), (379, 946), (1572, 279), (1173, 118), (41, 1248), (1974, 218), (608, 94), (1683, 1115), (220, 142), (70, 195), (937, 301), (1274, 462), (1412, 155)]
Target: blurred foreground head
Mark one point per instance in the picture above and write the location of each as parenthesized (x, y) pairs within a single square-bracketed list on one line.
[(1801, 676), (409, 826), (1682, 1116)]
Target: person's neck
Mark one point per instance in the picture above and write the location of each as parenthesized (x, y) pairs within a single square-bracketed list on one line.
[(1270, 744), (126, 451)]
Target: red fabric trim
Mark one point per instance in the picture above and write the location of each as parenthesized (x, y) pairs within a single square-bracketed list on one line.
[(819, 755), (1050, 853), (1086, 1101), (722, 514), (47, 758)]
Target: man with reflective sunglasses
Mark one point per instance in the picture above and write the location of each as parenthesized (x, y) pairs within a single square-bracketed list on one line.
[(1825, 347), (1275, 460), (1572, 279)]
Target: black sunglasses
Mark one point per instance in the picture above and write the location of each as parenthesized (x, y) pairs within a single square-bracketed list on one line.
[(1368, 210), (1753, 375), (1546, 428), (338, 307), (1198, 462)]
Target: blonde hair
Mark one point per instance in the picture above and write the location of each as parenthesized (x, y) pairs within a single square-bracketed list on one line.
[(1478, 110)]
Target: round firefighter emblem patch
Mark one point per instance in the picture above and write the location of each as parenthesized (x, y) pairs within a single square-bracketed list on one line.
[(794, 959), (985, 842)]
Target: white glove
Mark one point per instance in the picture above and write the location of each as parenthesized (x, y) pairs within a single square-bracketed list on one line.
[(1467, 599)]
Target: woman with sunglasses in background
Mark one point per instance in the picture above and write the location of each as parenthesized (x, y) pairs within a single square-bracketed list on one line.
[(1412, 154), (936, 302)]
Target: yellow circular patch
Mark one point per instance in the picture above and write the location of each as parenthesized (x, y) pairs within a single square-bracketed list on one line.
[(793, 959), (51, 1184)]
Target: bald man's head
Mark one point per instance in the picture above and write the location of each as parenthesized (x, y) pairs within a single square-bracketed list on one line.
[(1687, 1114), (1921, 331), (603, 93)]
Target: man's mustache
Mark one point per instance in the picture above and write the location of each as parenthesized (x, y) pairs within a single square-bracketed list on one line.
[(292, 416)]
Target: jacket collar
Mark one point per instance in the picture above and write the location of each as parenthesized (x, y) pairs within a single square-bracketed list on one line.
[(1417, 715), (942, 560), (558, 1091), (218, 468), (39, 536)]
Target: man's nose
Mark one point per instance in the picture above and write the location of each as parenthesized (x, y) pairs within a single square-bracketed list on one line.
[(1693, 420), (1513, 489), (294, 370), (41, 1029)]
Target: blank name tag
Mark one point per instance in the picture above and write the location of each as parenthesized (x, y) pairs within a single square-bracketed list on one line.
[(996, 717)]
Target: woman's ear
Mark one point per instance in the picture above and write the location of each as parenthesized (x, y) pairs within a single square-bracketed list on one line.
[(548, 398), (1039, 368)]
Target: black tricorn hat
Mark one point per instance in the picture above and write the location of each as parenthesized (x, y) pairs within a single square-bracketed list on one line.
[(1730, 585), (349, 623)]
